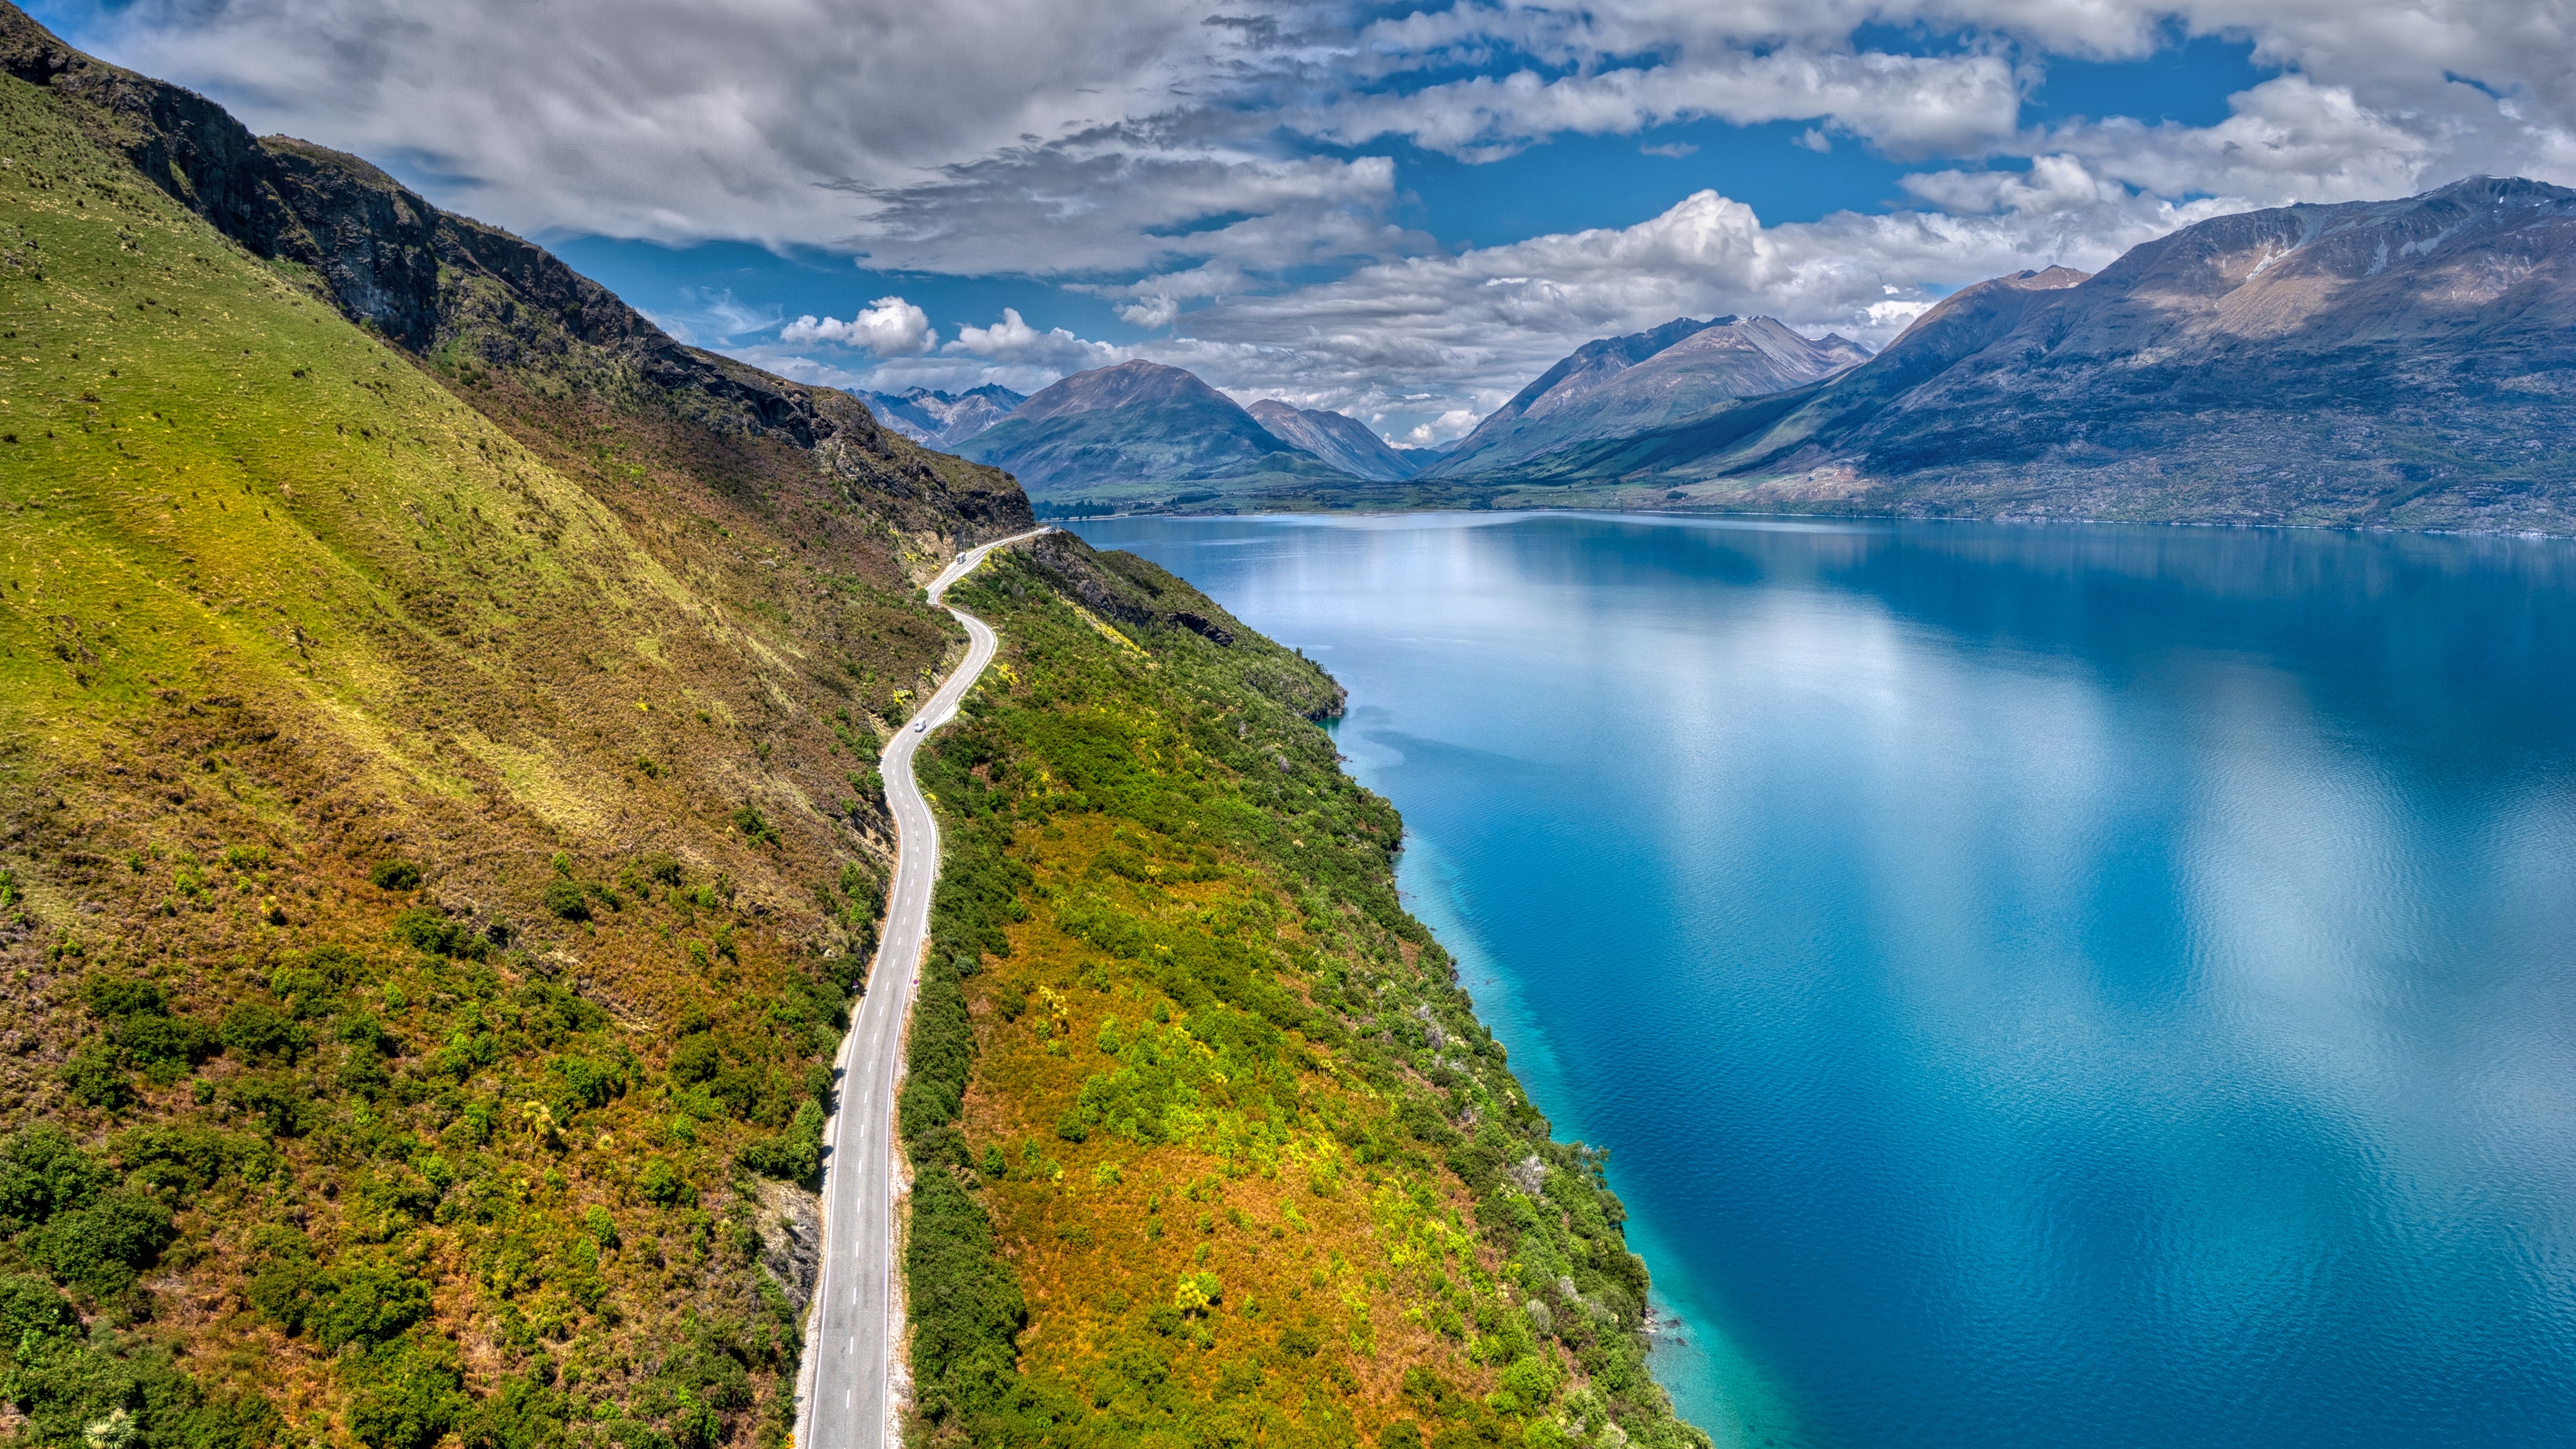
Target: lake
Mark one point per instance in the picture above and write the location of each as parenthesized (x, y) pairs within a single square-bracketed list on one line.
[(2039, 986)]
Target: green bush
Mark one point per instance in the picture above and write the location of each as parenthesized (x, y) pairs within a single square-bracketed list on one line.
[(748, 819), (795, 1155), (259, 1032), (101, 1245), (275, 1100), (662, 1183), (395, 875), (697, 1060), (30, 1310), (431, 931), (183, 1159), (44, 1171), (567, 900), (95, 1074), (369, 1301), (406, 1394)]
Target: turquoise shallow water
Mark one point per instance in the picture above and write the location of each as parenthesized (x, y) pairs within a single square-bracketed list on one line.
[(2041, 987)]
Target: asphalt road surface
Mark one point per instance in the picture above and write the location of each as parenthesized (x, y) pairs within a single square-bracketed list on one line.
[(848, 1382)]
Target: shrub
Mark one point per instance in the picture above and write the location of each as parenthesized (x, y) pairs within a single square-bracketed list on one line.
[(287, 1285), (371, 1301), (583, 1083), (567, 900), (274, 1098), (662, 1183), (112, 998), (795, 1155), (96, 1075), (395, 875), (262, 1033), (100, 1246), (43, 1172), (406, 1394), (426, 930), (697, 1060), (30, 1309), (748, 819)]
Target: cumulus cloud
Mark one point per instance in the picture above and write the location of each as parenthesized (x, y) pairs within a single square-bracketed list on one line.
[(1013, 341), (890, 327)]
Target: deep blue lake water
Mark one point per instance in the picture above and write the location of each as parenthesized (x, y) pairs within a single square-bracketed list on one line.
[(2040, 986)]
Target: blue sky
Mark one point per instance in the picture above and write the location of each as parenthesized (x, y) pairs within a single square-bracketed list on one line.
[(1399, 211)]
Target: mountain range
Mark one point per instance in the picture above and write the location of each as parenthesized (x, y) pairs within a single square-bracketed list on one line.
[(2407, 363), (943, 419)]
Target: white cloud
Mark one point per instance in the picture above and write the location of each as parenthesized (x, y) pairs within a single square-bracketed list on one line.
[(1015, 342), (1908, 106), (1455, 423), (890, 327)]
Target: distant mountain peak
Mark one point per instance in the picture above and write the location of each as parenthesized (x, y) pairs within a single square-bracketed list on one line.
[(1613, 386), (943, 419), (1126, 384), (1337, 438), (1137, 429)]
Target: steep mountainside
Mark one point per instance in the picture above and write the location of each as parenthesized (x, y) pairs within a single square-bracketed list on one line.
[(940, 419), (1340, 440), (2405, 363), (1208, 1145), (436, 833), (1622, 385), (1140, 431)]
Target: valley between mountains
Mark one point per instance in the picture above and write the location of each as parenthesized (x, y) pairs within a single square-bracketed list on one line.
[(441, 848)]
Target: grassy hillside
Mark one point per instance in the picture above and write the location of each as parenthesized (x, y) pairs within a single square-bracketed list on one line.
[(1208, 1145), (437, 841)]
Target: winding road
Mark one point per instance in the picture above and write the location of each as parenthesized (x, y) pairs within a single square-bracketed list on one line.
[(847, 1387)]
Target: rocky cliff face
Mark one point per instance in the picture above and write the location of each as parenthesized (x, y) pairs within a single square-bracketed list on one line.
[(473, 295), (1622, 385), (2405, 363)]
